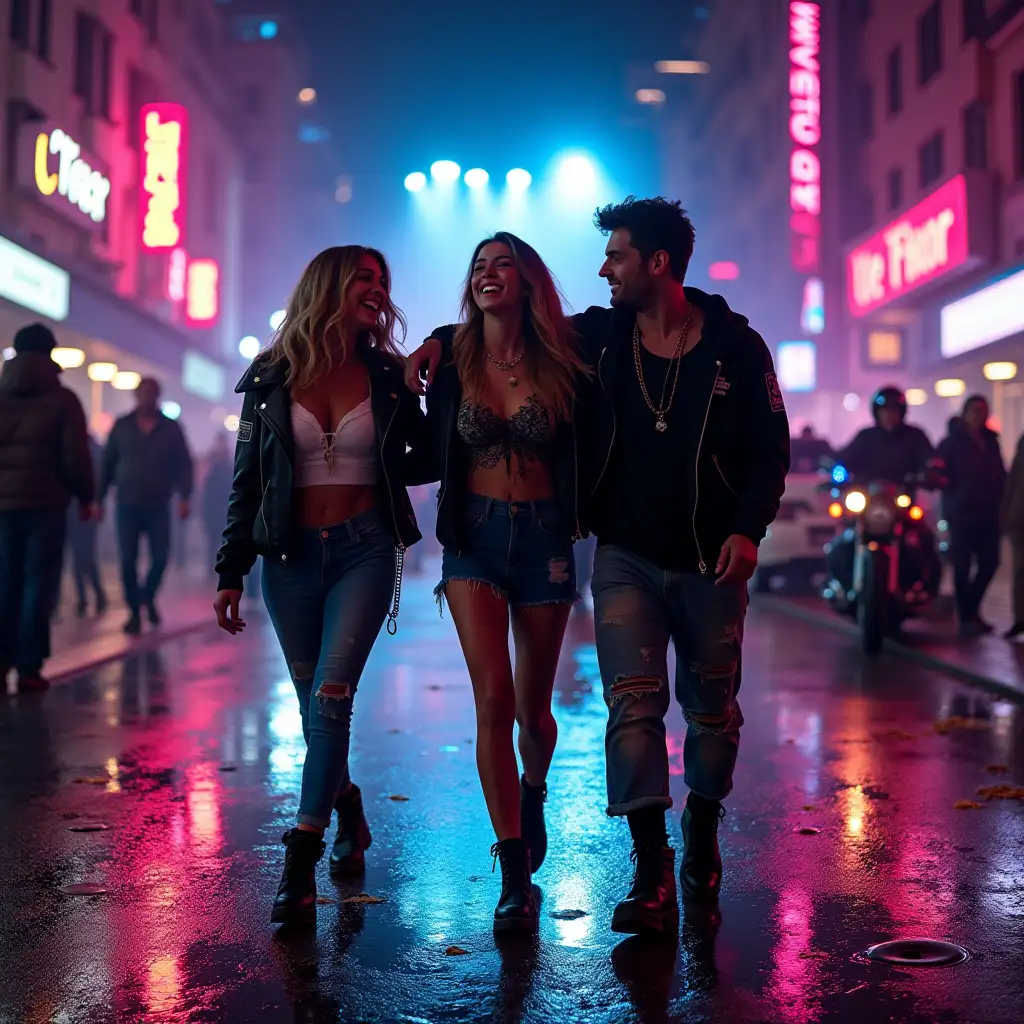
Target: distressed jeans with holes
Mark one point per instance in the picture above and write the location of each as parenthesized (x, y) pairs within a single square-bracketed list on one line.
[(638, 608), (327, 604)]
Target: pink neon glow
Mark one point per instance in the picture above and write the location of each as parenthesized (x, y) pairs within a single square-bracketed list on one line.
[(724, 270), (202, 293), (805, 134), (177, 267), (163, 134), (928, 241)]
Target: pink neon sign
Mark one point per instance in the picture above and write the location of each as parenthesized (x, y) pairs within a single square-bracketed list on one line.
[(805, 135), (163, 175), (928, 241)]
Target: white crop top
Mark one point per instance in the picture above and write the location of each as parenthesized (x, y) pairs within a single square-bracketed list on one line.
[(346, 456)]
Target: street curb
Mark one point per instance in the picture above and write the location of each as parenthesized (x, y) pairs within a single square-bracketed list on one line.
[(139, 645), (838, 625)]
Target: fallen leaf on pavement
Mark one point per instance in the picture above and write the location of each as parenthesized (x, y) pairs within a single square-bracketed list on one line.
[(92, 780), (399, 799), (807, 830), (946, 725), (856, 988), (325, 900), (809, 807), (997, 769), (967, 805), (364, 899), (456, 951), (569, 915), (813, 954), (1001, 792)]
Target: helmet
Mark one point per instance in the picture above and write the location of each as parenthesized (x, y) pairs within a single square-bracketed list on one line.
[(890, 397)]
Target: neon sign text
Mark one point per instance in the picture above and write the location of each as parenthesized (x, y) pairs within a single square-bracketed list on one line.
[(164, 175), (805, 134), (84, 186), (202, 293)]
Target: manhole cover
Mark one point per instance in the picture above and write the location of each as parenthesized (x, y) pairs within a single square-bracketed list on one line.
[(917, 953), (83, 889), (89, 826)]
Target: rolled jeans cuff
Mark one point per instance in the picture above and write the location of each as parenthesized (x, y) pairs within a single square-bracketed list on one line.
[(312, 822), (641, 802)]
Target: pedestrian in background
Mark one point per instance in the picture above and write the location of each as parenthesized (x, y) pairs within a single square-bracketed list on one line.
[(44, 463), (220, 472), (1013, 527), (973, 499), (82, 549), (147, 460)]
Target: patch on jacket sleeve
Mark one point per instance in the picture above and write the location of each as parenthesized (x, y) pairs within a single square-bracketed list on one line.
[(244, 430), (775, 399)]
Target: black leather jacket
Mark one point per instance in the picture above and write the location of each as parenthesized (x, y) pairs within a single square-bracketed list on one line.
[(260, 507)]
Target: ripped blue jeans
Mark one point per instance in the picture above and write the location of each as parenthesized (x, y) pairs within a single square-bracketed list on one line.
[(638, 608), (327, 603)]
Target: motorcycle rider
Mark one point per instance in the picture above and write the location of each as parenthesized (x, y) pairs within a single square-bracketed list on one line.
[(892, 449)]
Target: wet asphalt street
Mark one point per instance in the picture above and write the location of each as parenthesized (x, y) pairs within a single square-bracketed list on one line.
[(191, 754)]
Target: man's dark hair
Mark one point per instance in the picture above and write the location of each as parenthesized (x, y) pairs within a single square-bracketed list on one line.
[(653, 225), (971, 399)]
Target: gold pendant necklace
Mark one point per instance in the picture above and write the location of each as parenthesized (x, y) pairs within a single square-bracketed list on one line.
[(507, 365), (662, 408)]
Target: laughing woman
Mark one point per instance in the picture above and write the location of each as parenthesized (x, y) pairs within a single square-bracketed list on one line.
[(500, 419), (321, 465)]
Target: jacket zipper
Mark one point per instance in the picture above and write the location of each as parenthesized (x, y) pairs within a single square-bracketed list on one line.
[(387, 481), (611, 444), (728, 486), (701, 564), (263, 488)]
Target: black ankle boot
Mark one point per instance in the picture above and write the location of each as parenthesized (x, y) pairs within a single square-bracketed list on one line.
[(353, 838), (700, 873), (295, 902), (517, 908), (651, 906), (531, 820)]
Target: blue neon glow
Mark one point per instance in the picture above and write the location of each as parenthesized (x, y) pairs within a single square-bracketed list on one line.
[(268, 29), (840, 475)]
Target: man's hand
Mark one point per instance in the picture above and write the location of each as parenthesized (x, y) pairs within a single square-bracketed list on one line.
[(184, 509), (226, 607), (738, 560), (425, 358)]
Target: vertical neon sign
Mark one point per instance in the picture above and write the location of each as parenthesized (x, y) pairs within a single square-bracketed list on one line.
[(163, 175)]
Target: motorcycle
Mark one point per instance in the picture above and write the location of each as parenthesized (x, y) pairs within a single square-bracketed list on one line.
[(883, 563)]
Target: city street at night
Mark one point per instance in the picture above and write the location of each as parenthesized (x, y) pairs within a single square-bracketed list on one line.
[(167, 778)]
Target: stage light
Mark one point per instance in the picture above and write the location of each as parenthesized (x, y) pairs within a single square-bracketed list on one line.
[(170, 409), (445, 172), (518, 179), (68, 358), (276, 319), (576, 174), (102, 372), (415, 182), (126, 380), (476, 177), (249, 347)]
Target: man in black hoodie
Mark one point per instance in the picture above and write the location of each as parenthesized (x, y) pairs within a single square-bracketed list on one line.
[(44, 463), (683, 455)]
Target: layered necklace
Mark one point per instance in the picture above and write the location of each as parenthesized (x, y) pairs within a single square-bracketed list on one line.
[(661, 410), (507, 365)]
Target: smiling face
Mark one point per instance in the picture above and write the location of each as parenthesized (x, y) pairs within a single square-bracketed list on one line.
[(366, 296), (495, 278), (626, 272)]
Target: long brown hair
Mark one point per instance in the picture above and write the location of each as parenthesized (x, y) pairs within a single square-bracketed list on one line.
[(312, 325), (551, 352)]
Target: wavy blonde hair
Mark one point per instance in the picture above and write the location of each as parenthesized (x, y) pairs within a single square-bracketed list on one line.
[(311, 330), (551, 353)]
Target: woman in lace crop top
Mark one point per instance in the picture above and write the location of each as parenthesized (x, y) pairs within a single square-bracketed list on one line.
[(510, 552)]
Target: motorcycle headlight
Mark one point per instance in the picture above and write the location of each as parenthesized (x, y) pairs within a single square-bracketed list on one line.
[(856, 502)]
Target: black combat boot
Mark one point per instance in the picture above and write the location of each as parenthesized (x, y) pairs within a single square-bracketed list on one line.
[(531, 820), (700, 873), (295, 902), (517, 908), (353, 838), (651, 906)]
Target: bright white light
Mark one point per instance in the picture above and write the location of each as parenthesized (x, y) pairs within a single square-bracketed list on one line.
[(650, 97), (856, 502), (851, 402), (999, 371), (476, 177), (518, 179), (681, 67), (102, 371), (576, 174), (916, 396), (950, 388), (416, 182), (170, 409), (231, 423), (9, 353), (276, 319), (249, 347), (126, 380), (307, 96), (445, 172), (986, 316), (68, 358), (798, 365)]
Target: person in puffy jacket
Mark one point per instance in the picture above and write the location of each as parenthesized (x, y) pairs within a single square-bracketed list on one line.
[(1012, 523)]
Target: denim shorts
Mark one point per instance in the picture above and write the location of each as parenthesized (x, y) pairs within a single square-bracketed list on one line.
[(521, 549)]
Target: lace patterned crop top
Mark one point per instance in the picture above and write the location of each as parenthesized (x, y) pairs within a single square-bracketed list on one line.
[(527, 434), (346, 456)]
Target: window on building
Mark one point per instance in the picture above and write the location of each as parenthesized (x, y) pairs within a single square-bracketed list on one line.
[(146, 12), (93, 70), (44, 30), (974, 19), (929, 43), (105, 74), (894, 80), (976, 136), (930, 160), (865, 111), (1019, 115), (21, 16), (895, 188)]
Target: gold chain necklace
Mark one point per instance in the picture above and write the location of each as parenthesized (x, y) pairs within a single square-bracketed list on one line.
[(662, 409), (508, 365)]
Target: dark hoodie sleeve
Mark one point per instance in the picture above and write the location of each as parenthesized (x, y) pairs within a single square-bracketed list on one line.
[(767, 428), (76, 468), (445, 335), (420, 466)]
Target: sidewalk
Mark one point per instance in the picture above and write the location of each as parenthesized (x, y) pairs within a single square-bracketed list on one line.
[(987, 661)]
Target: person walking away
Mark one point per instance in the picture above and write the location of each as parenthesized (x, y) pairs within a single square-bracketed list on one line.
[(81, 536), (147, 461), (220, 472), (1012, 521), (44, 463), (973, 500)]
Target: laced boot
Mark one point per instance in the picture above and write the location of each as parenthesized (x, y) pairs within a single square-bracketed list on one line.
[(295, 902), (700, 872), (651, 906), (531, 820), (353, 838), (517, 907)]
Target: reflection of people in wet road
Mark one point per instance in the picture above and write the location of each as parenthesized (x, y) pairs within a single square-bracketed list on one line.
[(326, 507)]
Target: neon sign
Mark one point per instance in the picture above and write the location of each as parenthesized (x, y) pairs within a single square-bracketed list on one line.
[(805, 134), (202, 293), (177, 269), (928, 241), (75, 178), (164, 175)]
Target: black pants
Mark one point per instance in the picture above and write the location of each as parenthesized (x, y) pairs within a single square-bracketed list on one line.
[(84, 567), (132, 522), (974, 552)]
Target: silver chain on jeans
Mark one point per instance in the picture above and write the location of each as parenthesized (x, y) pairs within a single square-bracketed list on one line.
[(393, 614)]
